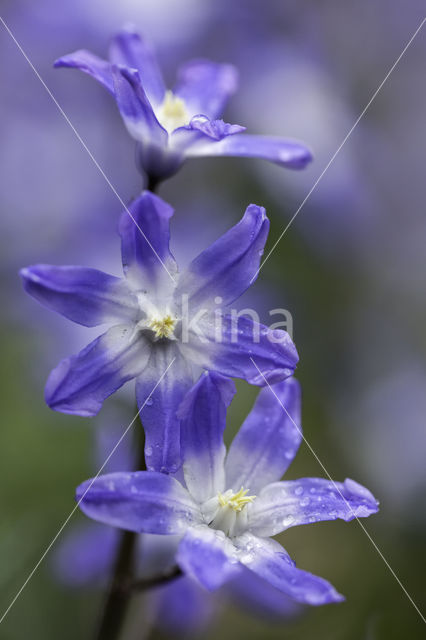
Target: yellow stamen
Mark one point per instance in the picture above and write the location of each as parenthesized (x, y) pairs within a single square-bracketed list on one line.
[(163, 327), (235, 500), (172, 112)]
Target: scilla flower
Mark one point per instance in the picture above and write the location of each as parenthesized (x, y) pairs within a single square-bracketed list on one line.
[(228, 506), (86, 555), (165, 327), (171, 126)]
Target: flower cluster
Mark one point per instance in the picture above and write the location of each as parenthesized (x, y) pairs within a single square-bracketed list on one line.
[(172, 333)]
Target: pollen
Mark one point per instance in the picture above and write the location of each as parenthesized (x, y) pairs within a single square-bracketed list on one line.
[(163, 327), (236, 501), (172, 112)]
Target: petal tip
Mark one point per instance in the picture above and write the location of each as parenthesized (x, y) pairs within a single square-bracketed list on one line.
[(257, 211), (59, 62), (25, 273), (354, 488), (64, 404), (337, 597), (79, 492), (330, 596)]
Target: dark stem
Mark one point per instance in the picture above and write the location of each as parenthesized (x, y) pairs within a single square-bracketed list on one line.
[(143, 584), (118, 598), (119, 595), (152, 184)]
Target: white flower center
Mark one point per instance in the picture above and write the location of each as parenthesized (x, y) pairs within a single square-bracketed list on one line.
[(230, 515), (172, 112)]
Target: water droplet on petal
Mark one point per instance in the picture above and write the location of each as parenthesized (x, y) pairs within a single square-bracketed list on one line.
[(288, 520)]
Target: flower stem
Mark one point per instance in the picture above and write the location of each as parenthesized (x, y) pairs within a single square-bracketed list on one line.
[(118, 598), (152, 184), (119, 595), (142, 584)]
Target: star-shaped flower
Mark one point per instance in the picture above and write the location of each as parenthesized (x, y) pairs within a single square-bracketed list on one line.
[(223, 531), (165, 326), (86, 555), (171, 126)]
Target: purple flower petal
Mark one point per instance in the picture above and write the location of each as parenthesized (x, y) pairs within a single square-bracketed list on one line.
[(86, 554), (271, 562), (145, 235), (260, 598), (182, 607), (169, 374), (227, 267), (86, 296), (201, 129), (203, 421), (237, 347), (215, 129), (135, 107), (206, 86), (142, 501), (130, 50), (90, 64), (80, 384), (290, 503), (208, 556), (286, 153), (268, 440), (106, 435)]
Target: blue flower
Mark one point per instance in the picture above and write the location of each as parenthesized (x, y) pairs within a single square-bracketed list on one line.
[(172, 126), (228, 505), (85, 556), (165, 328)]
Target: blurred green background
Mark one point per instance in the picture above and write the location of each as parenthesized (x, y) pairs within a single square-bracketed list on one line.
[(351, 270)]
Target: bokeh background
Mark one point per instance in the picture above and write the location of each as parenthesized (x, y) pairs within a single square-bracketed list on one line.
[(351, 269)]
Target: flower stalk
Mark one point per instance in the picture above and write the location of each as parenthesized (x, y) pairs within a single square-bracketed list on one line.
[(119, 595), (118, 598)]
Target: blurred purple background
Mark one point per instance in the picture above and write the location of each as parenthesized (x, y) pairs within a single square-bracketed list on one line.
[(351, 269)]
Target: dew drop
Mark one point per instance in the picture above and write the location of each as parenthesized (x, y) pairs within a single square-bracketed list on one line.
[(288, 520)]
